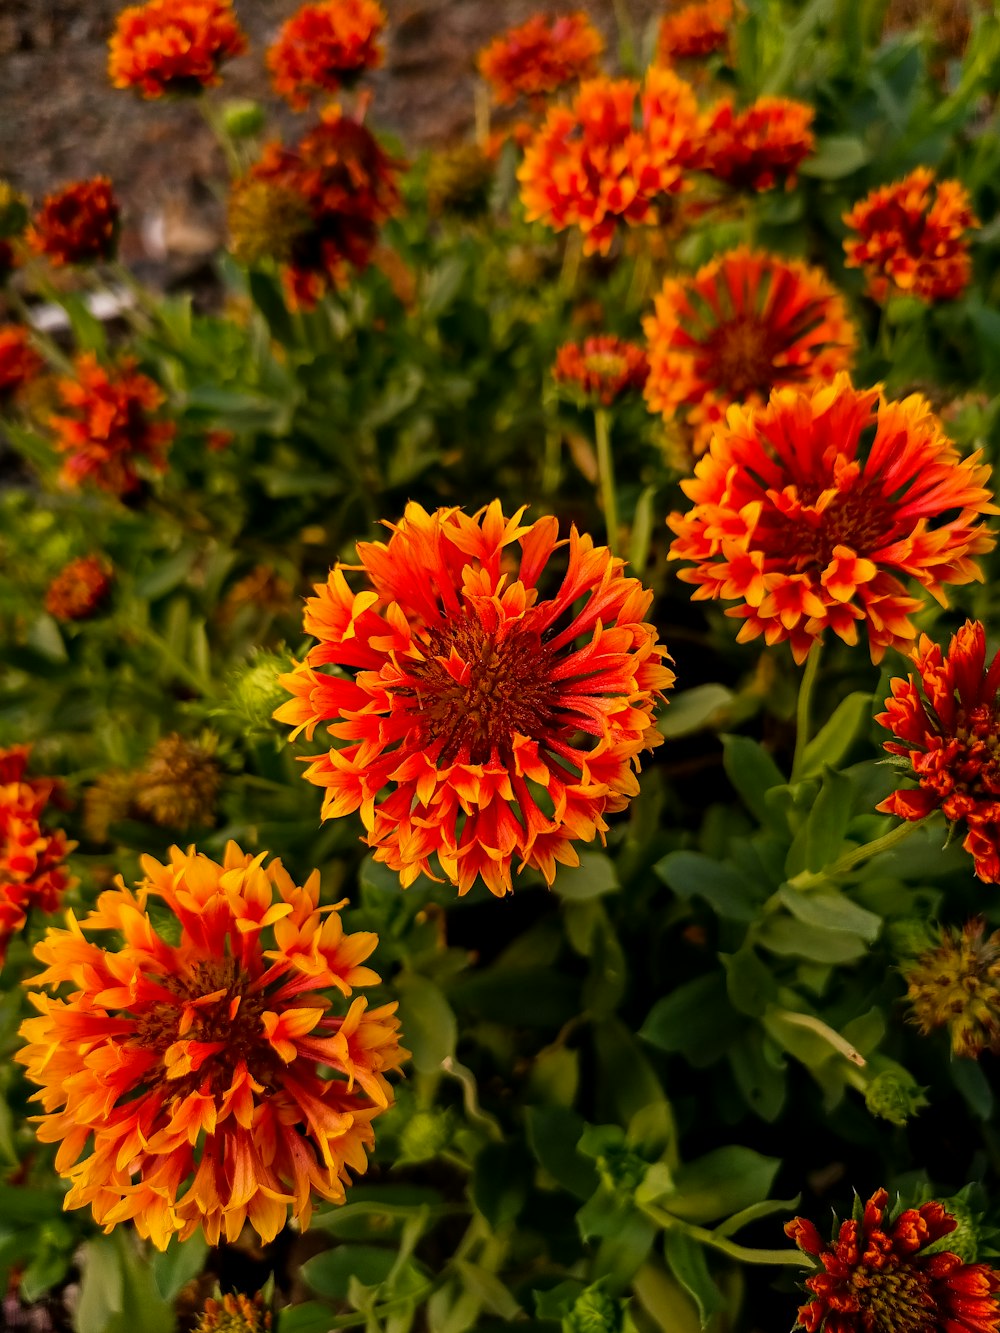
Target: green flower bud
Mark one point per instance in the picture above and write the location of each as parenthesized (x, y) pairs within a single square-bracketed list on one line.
[(242, 118), (595, 1312), (425, 1134), (894, 1095)]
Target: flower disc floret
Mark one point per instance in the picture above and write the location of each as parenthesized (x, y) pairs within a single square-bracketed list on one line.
[(203, 1083), (744, 324), (810, 512), (173, 46), (325, 46), (77, 224), (758, 148), (694, 31), (540, 57), (19, 362), (477, 722), (878, 1275), (955, 983), (602, 368)]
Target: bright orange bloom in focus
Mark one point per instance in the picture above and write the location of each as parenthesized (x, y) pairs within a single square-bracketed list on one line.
[(879, 1276), (603, 367), (173, 46), (945, 722), (744, 324), (213, 1078), (611, 157), (77, 224), (810, 527), (348, 185), (758, 148), (911, 238), (325, 46), (79, 589), (32, 873), (109, 425), (541, 56), (19, 362), (694, 31), (502, 724)]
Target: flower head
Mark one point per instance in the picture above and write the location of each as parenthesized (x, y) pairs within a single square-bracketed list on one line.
[(744, 324), (810, 511), (77, 224), (210, 1073), (266, 219), (79, 590), (459, 180), (758, 148), (19, 362), (480, 722), (911, 238), (610, 158), (234, 1314), (177, 785), (694, 31), (32, 873), (540, 57), (109, 424), (944, 718), (955, 983), (881, 1275), (173, 46), (325, 46), (602, 368)]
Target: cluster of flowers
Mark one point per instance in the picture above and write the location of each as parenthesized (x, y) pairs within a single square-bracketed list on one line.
[(33, 873)]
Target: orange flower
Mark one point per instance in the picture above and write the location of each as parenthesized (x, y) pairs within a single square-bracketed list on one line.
[(944, 720), (19, 362), (348, 186), (325, 46), (611, 157), (79, 589), (173, 46), (810, 527), (694, 31), (541, 56), (502, 724), (757, 148), (911, 238), (110, 425), (603, 368), (210, 1076), (744, 324), (78, 224), (234, 1313), (32, 873)]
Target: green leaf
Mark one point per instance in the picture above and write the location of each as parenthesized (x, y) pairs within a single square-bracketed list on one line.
[(642, 531), (695, 1020), (499, 1184), (759, 1075), (695, 709), (828, 819), (692, 874), (594, 876), (833, 741), (830, 910), (836, 156), (427, 1020), (686, 1259), (309, 1317), (553, 1135), (786, 935), (749, 982), (329, 1274), (178, 1264), (974, 1086), (752, 772), (721, 1183), (519, 996)]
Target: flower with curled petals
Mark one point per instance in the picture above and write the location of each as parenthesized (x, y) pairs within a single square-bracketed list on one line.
[(213, 1080), (235, 1312), (602, 368), (540, 57), (475, 721), (758, 148), (744, 324), (883, 1273), (694, 31), (811, 511), (325, 46), (911, 238), (77, 224), (19, 362), (173, 46), (945, 720)]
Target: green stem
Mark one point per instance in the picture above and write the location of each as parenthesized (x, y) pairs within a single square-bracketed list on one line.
[(216, 125), (176, 663), (52, 353), (572, 253), (807, 879), (741, 1253), (803, 708), (626, 38), (641, 274), (606, 476)]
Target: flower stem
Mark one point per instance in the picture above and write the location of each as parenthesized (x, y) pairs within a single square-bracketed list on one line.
[(50, 349), (803, 708), (808, 878), (572, 254), (606, 476), (742, 1253), (626, 38)]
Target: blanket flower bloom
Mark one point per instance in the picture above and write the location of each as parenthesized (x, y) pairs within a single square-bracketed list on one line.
[(19, 362), (955, 983), (758, 148), (810, 527), (32, 870), (539, 57), (173, 46), (109, 425), (178, 784), (744, 324), (613, 156), (347, 184), (234, 1312), (944, 718), (878, 1276), (502, 724), (694, 31), (212, 1078), (911, 238), (77, 224), (602, 368), (79, 590), (325, 46)]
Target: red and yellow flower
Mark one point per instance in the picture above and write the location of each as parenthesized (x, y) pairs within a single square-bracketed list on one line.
[(602, 368), (211, 1081), (809, 512), (77, 224), (173, 46), (744, 324), (79, 590), (475, 721), (884, 1274), (614, 156), (109, 424), (325, 46), (911, 238), (540, 57), (19, 362), (758, 148), (694, 31), (944, 717)]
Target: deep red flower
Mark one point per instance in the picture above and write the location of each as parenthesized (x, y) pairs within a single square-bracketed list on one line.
[(19, 362), (878, 1276), (325, 46), (603, 367), (758, 148), (77, 224), (540, 56), (694, 31), (173, 46), (79, 590)]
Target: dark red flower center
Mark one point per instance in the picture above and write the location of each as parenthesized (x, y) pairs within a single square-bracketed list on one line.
[(743, 355), (894, 1300)]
